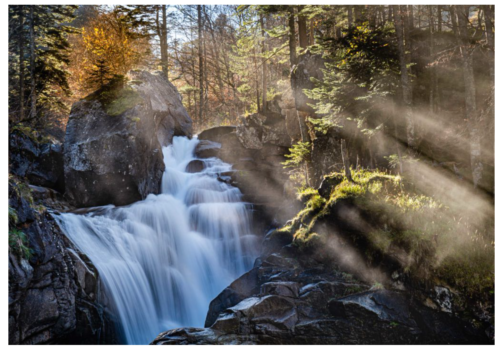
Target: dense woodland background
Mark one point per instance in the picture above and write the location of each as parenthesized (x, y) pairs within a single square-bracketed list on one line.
[(409, 88)]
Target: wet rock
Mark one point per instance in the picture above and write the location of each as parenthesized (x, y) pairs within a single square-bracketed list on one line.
[(207, 148), (113, 155), (241, 288), (444, 298), (195, 166)]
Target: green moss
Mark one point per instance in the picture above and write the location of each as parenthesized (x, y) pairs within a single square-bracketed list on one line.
[(12, 215), (19, 244), (116, 97), (31, 133), (127, 98), (25, 192)]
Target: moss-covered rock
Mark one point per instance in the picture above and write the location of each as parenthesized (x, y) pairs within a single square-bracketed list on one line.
[(399, 229)]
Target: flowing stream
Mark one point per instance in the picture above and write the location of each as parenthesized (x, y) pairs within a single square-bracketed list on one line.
[(162, 260)]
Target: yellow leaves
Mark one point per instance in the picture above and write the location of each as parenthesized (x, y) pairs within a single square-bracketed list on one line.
[(104, 40)]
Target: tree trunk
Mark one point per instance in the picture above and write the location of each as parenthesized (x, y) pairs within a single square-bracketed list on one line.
[(440, 19), (349, 16), (311, 32), (490, 39), (21, 63), (432, 69), (33, 114), (345, 160), (264, 66), (358, 14), (164, 41), (462, 13), (200, 64), (303, 40), (215, 49), (407, 29), (304, 134), (411, 21), (291, 42), (405, 82)]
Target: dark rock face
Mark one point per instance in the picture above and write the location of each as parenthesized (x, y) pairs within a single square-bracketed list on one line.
[(41, 164), (117, 159), (308, 66), (292, 299), (326, 156), (328, 184), (53, 295)]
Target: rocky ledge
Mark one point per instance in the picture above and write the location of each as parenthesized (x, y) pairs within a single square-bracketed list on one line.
[(291, 298)]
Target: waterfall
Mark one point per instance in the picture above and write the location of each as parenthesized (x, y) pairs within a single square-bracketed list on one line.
[(162, 260)]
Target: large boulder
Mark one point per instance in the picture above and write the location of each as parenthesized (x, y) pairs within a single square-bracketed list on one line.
[(114, 138), (54, 290)]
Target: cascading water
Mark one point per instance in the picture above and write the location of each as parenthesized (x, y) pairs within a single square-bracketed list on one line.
[(162, 260)]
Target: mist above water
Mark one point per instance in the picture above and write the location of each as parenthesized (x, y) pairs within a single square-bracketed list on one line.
[(162, 260)]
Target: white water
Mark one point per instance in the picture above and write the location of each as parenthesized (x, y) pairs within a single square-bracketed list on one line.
[(162, 260)]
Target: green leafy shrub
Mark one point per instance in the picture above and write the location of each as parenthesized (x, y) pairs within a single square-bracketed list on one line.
[(300, 153)]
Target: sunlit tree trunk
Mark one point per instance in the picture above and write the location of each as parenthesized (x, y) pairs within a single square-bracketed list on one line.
[(291, 40), (303, 40), (349, 16)]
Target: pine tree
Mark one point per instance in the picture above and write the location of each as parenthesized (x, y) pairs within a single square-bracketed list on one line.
[(39, 35)]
